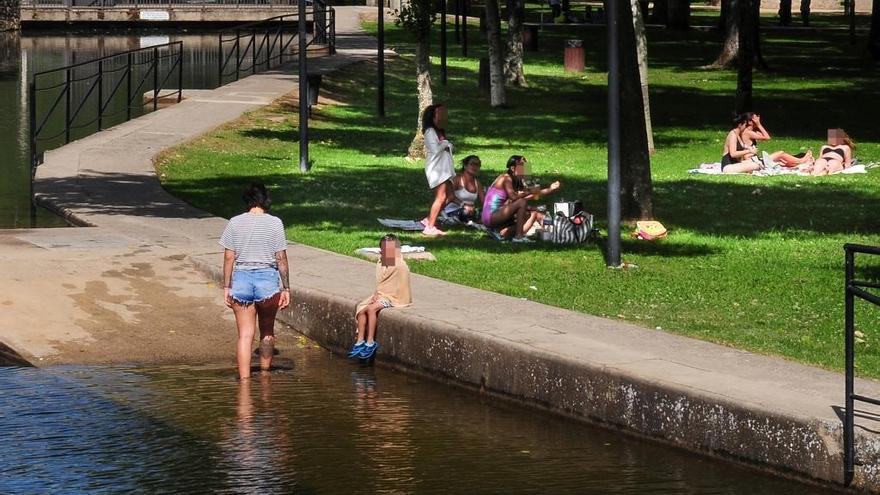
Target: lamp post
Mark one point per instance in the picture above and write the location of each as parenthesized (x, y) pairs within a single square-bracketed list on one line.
[(380, 93), (303, 89), (443, 42), (612, 255)]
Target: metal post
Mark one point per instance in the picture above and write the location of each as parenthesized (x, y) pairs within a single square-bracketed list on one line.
[(100, 94), (380, 58), (612, 256), (179, 72), (467, 10), (220, 55), (852, 22), (237, 53), (67, 106), (253, 51), (303, 90), (848, 433), (32, 122), (457, 14), (268, 50), (128, 88), (155, 78), (443, 41)]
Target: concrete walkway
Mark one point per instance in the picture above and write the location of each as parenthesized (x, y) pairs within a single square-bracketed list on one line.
[(705, 397)]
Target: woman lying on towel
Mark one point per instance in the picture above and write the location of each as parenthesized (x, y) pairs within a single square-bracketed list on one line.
[(834, 156), (756, 132), (737, 158)]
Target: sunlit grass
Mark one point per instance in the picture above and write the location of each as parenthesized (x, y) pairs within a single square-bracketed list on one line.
[(751, 262)]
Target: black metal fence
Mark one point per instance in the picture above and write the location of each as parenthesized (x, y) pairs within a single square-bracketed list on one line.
[(76, 100), (158, 3), (262, 45), (854, 289)]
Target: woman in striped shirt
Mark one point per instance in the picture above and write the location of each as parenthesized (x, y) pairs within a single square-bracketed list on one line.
[(256, 280)]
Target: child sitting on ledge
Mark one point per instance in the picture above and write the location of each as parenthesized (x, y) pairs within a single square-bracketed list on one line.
[(392, 290)]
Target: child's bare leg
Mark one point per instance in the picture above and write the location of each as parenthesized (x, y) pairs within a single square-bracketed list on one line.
[(362, 326), (372, 320)]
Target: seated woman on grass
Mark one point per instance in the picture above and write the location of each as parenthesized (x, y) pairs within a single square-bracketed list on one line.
[(737, 155), (756, 132), (468, 192), (834, 156), (507, 200)]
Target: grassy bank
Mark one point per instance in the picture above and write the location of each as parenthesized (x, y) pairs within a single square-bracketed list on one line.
[(751, 262)]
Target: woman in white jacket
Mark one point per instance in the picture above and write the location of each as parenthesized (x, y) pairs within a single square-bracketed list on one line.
[(439, 167)]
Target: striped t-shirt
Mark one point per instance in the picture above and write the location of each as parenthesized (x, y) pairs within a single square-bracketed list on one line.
[(255, 238)]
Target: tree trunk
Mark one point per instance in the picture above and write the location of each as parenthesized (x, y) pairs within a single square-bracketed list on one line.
[(805, 12), (498, 97), (756, 36), (513, 60), (641, 42), (660, 12), (784, 12), (678, 15), (730, 46), (426, 96), (635, 164), (746, 56), (874, 36)]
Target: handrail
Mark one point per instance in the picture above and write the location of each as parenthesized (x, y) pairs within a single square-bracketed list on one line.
[(263, 45), (854, 288), (73, 105)]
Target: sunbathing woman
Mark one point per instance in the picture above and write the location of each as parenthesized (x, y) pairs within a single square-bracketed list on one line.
[(756, 132), (507, 200), (737, 155), (833, 157)]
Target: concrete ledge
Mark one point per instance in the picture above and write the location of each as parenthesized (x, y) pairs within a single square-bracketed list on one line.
[(9, 357), (804, 448)]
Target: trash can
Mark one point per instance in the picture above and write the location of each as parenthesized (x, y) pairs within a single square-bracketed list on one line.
[(314, 87), (530, 38), (574, 55)]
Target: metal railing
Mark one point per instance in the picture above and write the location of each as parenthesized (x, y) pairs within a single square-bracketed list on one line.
[(263, 45), (854, 289), (74, 101), (156, 3)]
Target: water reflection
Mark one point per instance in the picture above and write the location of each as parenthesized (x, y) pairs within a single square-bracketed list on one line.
[(323, 427), (23, 55)]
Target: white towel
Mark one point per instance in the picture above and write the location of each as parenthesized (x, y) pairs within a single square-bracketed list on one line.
[(439, 166)]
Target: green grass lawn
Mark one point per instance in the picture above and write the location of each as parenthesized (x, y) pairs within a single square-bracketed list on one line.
[(755, 263)]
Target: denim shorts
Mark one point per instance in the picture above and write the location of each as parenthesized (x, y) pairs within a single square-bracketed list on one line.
[(250, 286)]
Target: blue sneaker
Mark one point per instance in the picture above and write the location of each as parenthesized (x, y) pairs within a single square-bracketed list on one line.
[(368, 351), (356, 349)]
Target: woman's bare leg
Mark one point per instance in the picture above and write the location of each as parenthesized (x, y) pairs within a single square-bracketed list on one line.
[(516, 209), (741, 167), (533, 216), (442, 194), (246, 321), (791, 160), (266, 312), (820, 167)]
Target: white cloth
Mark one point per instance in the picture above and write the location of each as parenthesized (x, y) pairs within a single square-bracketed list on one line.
[(405, 249), (439, 167)]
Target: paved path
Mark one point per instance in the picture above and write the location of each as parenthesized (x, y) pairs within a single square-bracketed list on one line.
[(107, 180)]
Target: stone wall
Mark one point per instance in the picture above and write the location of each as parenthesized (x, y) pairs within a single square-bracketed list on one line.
[(10, 12)]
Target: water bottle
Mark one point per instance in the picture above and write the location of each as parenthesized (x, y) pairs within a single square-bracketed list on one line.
[(547, 233)]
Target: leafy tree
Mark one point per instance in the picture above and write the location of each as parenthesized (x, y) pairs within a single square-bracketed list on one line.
[(417, 17)]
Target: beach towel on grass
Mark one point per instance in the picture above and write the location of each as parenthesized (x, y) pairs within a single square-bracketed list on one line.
[(417, 226), (775, 169)]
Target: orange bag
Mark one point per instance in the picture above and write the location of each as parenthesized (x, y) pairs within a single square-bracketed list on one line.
[(649, 230)]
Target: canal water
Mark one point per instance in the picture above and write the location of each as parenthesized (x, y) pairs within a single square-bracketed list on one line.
[(24, 54), (322, 425)]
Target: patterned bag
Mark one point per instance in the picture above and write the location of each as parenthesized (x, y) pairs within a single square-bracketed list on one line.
[(572, 230)]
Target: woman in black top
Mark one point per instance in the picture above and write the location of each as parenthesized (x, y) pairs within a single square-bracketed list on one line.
[(737, 155)]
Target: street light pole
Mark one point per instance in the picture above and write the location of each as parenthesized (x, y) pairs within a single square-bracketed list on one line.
[(380, 93), (443, 42), (612, 255), (303, 89)]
